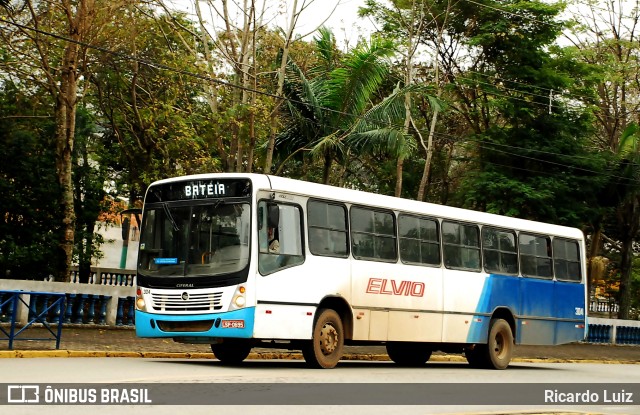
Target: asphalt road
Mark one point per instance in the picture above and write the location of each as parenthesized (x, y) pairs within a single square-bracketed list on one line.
[(287, 387)]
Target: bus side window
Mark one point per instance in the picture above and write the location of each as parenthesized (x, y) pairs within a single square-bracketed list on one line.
[(373, 235), (461, 246), (419, 240), (499, 251), (535, 256), (327, 227), (287, 230)]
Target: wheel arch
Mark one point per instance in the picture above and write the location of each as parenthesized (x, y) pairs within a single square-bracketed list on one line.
[(340, 306), (507, 315)]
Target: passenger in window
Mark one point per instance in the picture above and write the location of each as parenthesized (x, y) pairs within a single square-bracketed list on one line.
[(274, 244)]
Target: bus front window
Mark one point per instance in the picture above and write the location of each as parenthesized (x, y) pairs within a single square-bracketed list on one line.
[(204, 239)]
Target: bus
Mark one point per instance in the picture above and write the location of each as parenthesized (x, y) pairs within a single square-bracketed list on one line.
[(240, 261)]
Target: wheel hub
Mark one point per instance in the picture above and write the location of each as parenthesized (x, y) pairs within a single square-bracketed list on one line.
[(328, 339), (498, 345)]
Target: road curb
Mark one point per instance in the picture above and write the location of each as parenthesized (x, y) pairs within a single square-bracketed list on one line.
[(22, 354)]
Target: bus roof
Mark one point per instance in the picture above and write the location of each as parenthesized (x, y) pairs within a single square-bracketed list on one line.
[(358, 197)]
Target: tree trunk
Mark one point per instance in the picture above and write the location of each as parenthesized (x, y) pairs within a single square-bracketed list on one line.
[(399, 170), (328, 160), (629, 228), (65, 131), (84, 261), (427, 162)]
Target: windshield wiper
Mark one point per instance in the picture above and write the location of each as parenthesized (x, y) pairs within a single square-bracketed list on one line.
[(170, 216)]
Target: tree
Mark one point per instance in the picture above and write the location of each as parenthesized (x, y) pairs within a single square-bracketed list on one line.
[(150, 110), (49, 39), (29, 208), (331, 113), (605, 39), (88, 178), (625, 189), (523, 150), (281, 72), (228, 57), (407, 22)]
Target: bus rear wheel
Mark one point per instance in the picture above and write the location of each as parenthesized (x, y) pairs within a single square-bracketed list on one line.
[(408, 354), (231, 351), (496, 354), (324, 351)]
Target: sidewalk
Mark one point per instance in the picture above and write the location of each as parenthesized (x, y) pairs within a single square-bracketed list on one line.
[(99, 341)]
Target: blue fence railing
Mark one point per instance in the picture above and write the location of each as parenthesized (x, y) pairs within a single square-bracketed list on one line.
[(599, 333), (628, 335), (11, 300), (79, 309)]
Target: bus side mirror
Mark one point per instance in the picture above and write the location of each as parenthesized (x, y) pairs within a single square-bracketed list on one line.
[(273, 216)]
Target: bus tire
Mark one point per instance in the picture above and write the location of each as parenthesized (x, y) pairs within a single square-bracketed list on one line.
[(500, 344), (408, 354), (496, 354), (231, 351), (324, 351)]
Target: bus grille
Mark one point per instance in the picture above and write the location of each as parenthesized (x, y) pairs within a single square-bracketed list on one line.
[(194, 302)]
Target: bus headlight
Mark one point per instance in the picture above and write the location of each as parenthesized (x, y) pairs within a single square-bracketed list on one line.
[(140, 303), (239, 298), (239, 301)]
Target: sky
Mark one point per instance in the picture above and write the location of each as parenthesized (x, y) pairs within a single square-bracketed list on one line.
[(344, 21)]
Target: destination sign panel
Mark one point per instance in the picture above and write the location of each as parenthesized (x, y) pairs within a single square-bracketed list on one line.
[(199, 189)]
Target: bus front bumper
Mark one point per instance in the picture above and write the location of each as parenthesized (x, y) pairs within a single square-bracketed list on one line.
[(237, 323)]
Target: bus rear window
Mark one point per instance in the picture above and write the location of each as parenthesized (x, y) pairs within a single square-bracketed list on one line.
[(566, 260)]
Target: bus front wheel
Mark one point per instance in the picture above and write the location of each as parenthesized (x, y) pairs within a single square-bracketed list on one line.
[(327, 341), (231, 351)]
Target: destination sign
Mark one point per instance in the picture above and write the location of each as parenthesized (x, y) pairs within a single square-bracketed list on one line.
[(199, 189)]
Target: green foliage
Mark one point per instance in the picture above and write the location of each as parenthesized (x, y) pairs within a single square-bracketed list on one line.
[(150, 113), (88, 180), (335, 112), (29, 191)]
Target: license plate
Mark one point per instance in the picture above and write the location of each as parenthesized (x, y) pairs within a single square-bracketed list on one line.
[(232, 324)]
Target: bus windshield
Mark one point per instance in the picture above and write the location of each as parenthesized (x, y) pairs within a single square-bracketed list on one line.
[(194, 240)]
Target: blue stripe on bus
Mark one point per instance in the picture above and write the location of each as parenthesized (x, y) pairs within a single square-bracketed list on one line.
[(145, 328), (537, 304)]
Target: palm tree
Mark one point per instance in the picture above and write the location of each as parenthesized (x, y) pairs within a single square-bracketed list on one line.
[(331, 113)]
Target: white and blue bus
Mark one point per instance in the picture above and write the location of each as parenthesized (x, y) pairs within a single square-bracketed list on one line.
[(250, 260)]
